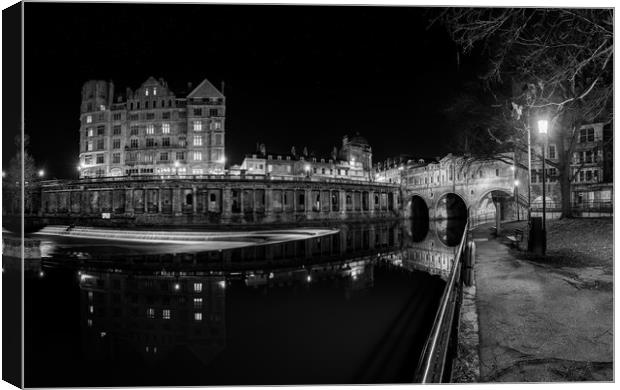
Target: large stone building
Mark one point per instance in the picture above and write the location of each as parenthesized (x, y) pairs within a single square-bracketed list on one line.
[(151, 130)]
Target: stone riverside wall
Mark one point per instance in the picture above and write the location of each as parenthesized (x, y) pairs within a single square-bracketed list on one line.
[(216, 200)]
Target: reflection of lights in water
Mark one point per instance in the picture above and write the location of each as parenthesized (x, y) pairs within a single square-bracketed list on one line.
[(41, 274), (222, 284), (271, 275), (103, 334), (177, 286), (309, 278)]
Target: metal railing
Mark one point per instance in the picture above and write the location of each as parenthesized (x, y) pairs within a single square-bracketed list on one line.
[(434, 359)]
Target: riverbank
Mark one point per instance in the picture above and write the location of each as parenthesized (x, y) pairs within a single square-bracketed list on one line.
[(546, 319)]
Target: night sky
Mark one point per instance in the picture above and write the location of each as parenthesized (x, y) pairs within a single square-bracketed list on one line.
[(294, 75)]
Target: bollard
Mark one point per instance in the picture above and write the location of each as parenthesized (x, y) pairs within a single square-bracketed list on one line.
[(468, 264)]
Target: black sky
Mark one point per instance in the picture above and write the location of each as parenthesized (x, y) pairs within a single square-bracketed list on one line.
[(295, 75)]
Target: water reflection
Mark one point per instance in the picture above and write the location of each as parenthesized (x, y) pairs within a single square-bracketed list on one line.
[(323, 306)]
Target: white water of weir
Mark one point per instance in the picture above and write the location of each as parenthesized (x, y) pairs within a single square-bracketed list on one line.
[(189, 237)]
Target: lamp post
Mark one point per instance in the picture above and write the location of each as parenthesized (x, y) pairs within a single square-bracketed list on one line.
[(542, 130), (516, 196)]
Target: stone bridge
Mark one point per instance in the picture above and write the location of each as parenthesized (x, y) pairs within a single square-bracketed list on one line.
[(458, 188)]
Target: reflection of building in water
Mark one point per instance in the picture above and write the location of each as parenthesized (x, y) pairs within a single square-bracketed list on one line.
[(152, 315)]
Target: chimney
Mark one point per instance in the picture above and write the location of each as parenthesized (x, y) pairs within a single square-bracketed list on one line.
[(110, 93), (223, 85)]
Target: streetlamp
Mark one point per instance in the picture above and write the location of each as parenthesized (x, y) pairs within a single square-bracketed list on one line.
[(516, 196), (543, 126), (176, 167), (41, 173)]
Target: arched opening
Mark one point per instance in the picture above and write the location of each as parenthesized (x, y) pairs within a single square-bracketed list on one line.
[(450, 231), (451, 206), (419, 210), (493, 202)]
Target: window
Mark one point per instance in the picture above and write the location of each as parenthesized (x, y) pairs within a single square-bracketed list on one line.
[(182, 142), (89, 119), (590, 135), (154, 91), (100, 159), (100, 130), (100, 144), (197, 140), (134, 143), (165, 141), (551, 152), (132, 156), (218, 139), (496, 173), (150, 129), (150, 142), (197, 316), (197, 287), (197, 156), (165, 128), (116, 143), (197, 125), (165, 314), (163, 156), (148, 158), (116, 158), (117, 116), (588, 156), (180, 156), (133, 130), (216, 125), (88, 160), (146, 92), (197, 111), (213, 112), (197, 303), (588, 175), (116, 130), (581, 175), (133, 117), (165, 115), (149, 115), (91, 132), (197, 171), (150, 313)]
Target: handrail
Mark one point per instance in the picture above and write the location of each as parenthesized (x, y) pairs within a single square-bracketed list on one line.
[(438, 338)]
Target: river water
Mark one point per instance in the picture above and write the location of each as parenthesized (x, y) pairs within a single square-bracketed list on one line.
[(355, 306)]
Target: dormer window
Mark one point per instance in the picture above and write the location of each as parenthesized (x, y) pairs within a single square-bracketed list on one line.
[(146, 92), (89, 119), (155, 91)]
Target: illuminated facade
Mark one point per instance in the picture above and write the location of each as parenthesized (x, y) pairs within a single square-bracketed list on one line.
[(151, 131)]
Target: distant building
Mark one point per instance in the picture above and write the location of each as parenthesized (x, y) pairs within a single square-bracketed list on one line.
[(151, 131), (354, 163)]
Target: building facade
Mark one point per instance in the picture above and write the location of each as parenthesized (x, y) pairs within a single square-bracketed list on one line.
[(151, 131)]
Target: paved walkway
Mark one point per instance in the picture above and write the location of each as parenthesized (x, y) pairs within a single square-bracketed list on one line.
[(539, 323)]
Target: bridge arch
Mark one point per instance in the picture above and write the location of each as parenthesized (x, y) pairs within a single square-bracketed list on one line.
[(451, 205), (419, 208), (485, 207)]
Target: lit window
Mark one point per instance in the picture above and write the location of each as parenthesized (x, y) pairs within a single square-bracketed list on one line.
[(150, 129), (155, 91), (102, 107), (198, 316), (197, 303), (216, 125), (90, 322), (89, 147), (165, 314), (197, 171), (146, 92), (91, 309), (197, 126), (197, 140), (197, 287), (150, 312), (197, 156), (165, 128), (90, 132), (89, 119)]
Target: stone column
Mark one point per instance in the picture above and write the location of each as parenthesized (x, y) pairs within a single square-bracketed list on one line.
[(343, 203), (308, 202), (176, 201), (159, 210), (129, 201), (268, 202), (226, 203), (194, 199), (371, 202)]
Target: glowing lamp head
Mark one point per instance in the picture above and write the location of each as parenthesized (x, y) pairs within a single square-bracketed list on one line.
[(41, 173), (222, 160), (3, 174), (307, 168), (176, 164), (512, 168), (516, 183), (543, 126), (177, 286)]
